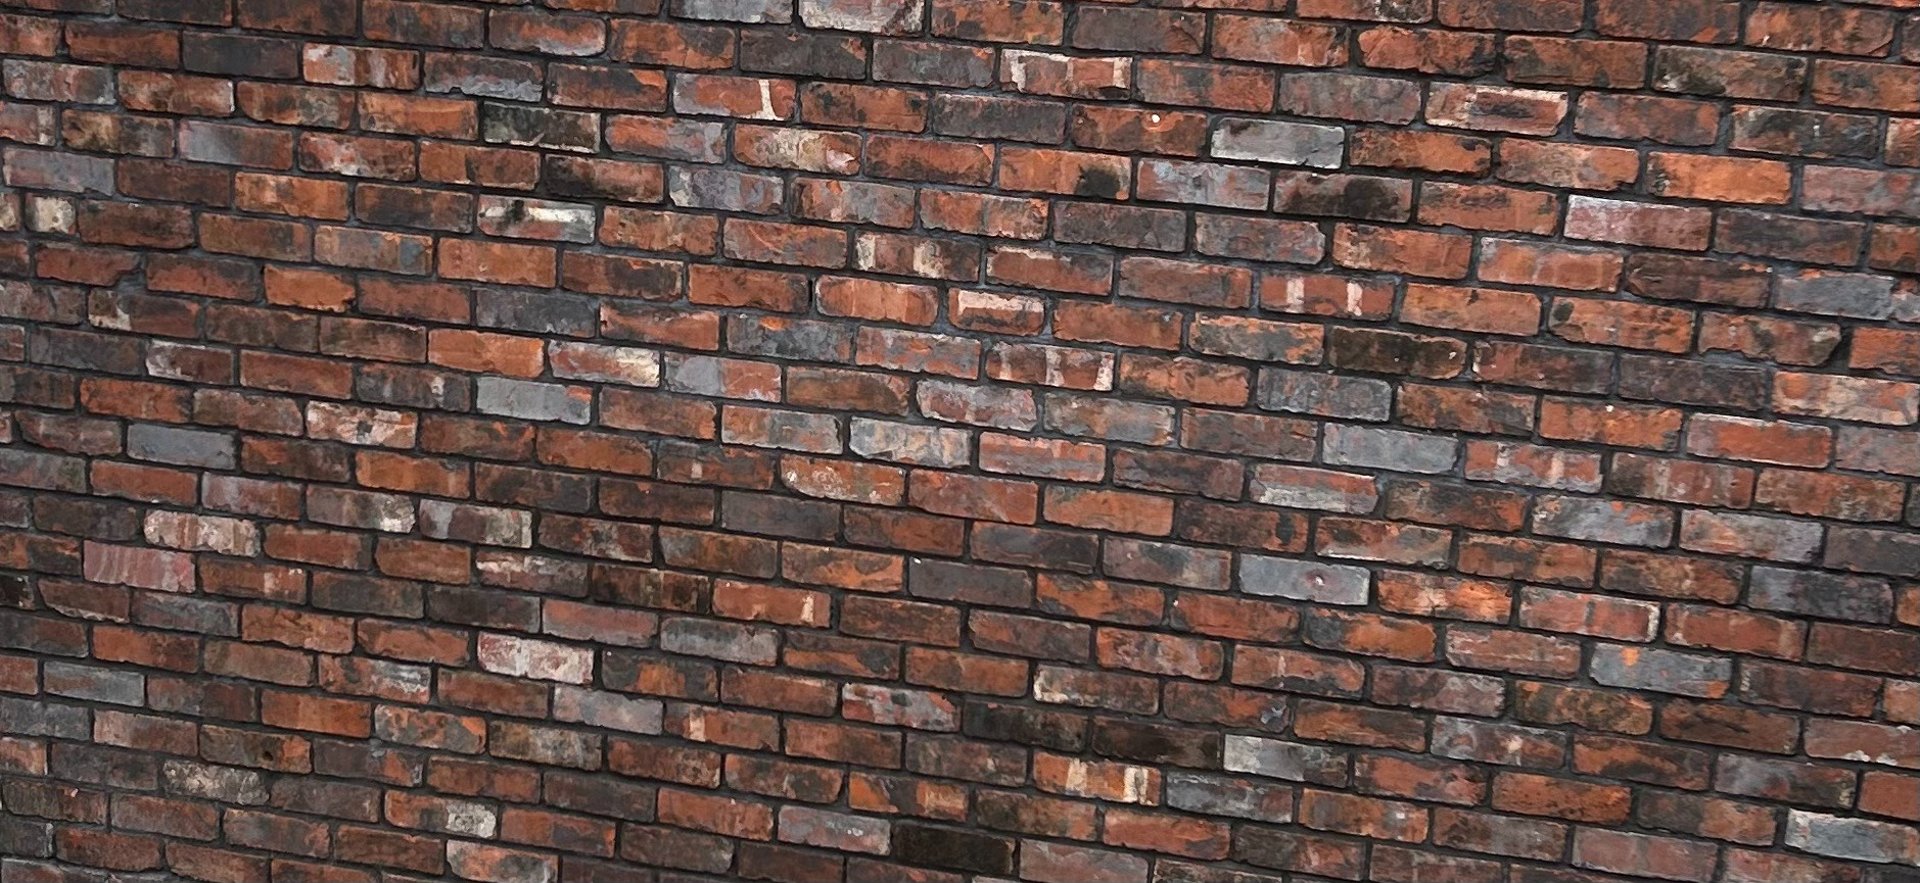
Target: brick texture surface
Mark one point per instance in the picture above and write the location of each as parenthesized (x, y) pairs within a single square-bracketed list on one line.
[(922, 441)]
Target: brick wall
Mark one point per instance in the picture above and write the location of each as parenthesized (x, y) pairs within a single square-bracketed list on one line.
[(919, 441)]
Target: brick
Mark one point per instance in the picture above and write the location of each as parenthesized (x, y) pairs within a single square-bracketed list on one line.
[(1629, 223), (1344, 96), (1614, 522), (1871, 551), (1356, 196), (1666, 858), (1772, 235), (1279, 143), (1300, 580), (1415, 252), (1841, 497), (545, 33), (1719, 180), (1663, 277), (1662, 670), (1851, 839), (1488, 108), (1666, 120), (1847, 398), (1228, 186)]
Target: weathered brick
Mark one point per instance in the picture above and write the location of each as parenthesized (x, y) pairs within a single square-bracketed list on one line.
[(1279, 143), (1661, 670)]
